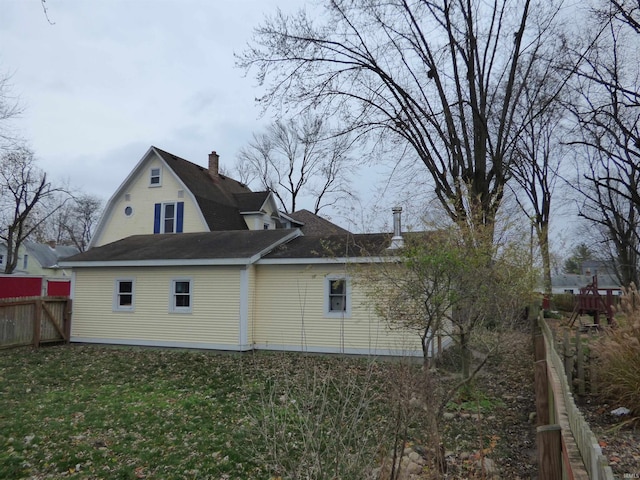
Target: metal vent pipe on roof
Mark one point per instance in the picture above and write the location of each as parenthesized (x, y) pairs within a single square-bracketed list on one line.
[(397, 241)]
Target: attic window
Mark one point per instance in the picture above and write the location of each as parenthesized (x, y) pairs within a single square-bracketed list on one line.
[(154, 178)]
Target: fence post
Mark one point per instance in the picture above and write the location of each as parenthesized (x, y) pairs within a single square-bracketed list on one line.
[(542, 392), (580, 363), (540, 350), (67, 319), (37, 320), (549, 452)]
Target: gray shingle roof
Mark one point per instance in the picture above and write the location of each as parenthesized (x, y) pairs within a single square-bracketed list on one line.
[(316, 225), (333, 246), (238, 244), (221, 199)]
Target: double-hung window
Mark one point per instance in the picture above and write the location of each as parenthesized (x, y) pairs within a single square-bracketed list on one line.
[(168, 217), (181, 295), (337, 296), (123, 295), (155, 177)]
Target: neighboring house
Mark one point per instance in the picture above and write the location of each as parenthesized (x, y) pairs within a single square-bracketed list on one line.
[(572, 283), (223, 269), (39, 258)]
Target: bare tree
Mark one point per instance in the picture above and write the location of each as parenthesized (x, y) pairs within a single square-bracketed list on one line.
[(73, 223), (23, 188), (299, 158), (438, 76), (608, 125), (9, 108), (539, 154)]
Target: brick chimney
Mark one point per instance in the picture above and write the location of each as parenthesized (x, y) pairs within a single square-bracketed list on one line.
[(214, 160)]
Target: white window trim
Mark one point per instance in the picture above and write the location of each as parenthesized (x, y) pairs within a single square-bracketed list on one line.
[(159, 184), (175, 216), (328, 313), (172, 295), (116, 293)]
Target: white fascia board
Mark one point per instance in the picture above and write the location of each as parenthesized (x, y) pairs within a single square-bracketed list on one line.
[(274, 205), (327, 260), (108, 209), (160, 263)]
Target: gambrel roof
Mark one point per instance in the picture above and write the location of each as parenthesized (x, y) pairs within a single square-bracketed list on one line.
[(221, 199)]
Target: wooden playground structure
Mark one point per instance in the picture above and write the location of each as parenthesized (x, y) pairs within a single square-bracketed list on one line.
[(591, 302)]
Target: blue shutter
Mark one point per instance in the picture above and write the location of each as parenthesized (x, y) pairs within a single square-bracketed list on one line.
[(156, 218), (179, 217)]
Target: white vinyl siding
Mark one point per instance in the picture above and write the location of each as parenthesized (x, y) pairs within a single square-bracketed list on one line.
[(290, 313), (214, 318)]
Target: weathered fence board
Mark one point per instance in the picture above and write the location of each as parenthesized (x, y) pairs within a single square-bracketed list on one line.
[(594, 461), (34, 320)]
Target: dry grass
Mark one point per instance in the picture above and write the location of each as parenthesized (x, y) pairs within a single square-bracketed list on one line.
[(619, 355)]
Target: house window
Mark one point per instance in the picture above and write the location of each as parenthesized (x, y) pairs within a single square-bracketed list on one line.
[(25, 261), (1, 259), (266, 226), (128, 210), (337, 297), (168, 217), (123, 295), (181, 293), (155, 177)]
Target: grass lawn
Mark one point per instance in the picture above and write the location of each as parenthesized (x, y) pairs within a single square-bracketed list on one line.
[(127, 413)]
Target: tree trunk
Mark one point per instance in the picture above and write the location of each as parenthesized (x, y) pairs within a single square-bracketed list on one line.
[(543, 241), (466, 354)]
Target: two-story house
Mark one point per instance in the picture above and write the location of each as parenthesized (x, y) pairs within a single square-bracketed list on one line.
[(184, 256)]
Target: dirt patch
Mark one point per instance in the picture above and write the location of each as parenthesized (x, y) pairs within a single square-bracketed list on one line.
[(492, 437)]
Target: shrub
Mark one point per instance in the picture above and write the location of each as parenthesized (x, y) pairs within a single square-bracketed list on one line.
[(619, 355), (563, 302)]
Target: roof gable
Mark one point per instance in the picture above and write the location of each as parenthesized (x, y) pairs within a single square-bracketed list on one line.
[(313, 224)]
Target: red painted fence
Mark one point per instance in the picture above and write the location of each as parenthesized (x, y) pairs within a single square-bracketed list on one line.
[(17, 286)]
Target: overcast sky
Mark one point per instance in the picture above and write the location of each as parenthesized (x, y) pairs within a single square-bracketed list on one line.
[(108, 79)]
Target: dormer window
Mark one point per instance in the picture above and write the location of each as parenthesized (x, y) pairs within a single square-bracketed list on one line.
[(155, 177)]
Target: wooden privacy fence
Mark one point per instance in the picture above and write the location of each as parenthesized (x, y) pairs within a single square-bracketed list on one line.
[(34, 320), (556, 408)]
